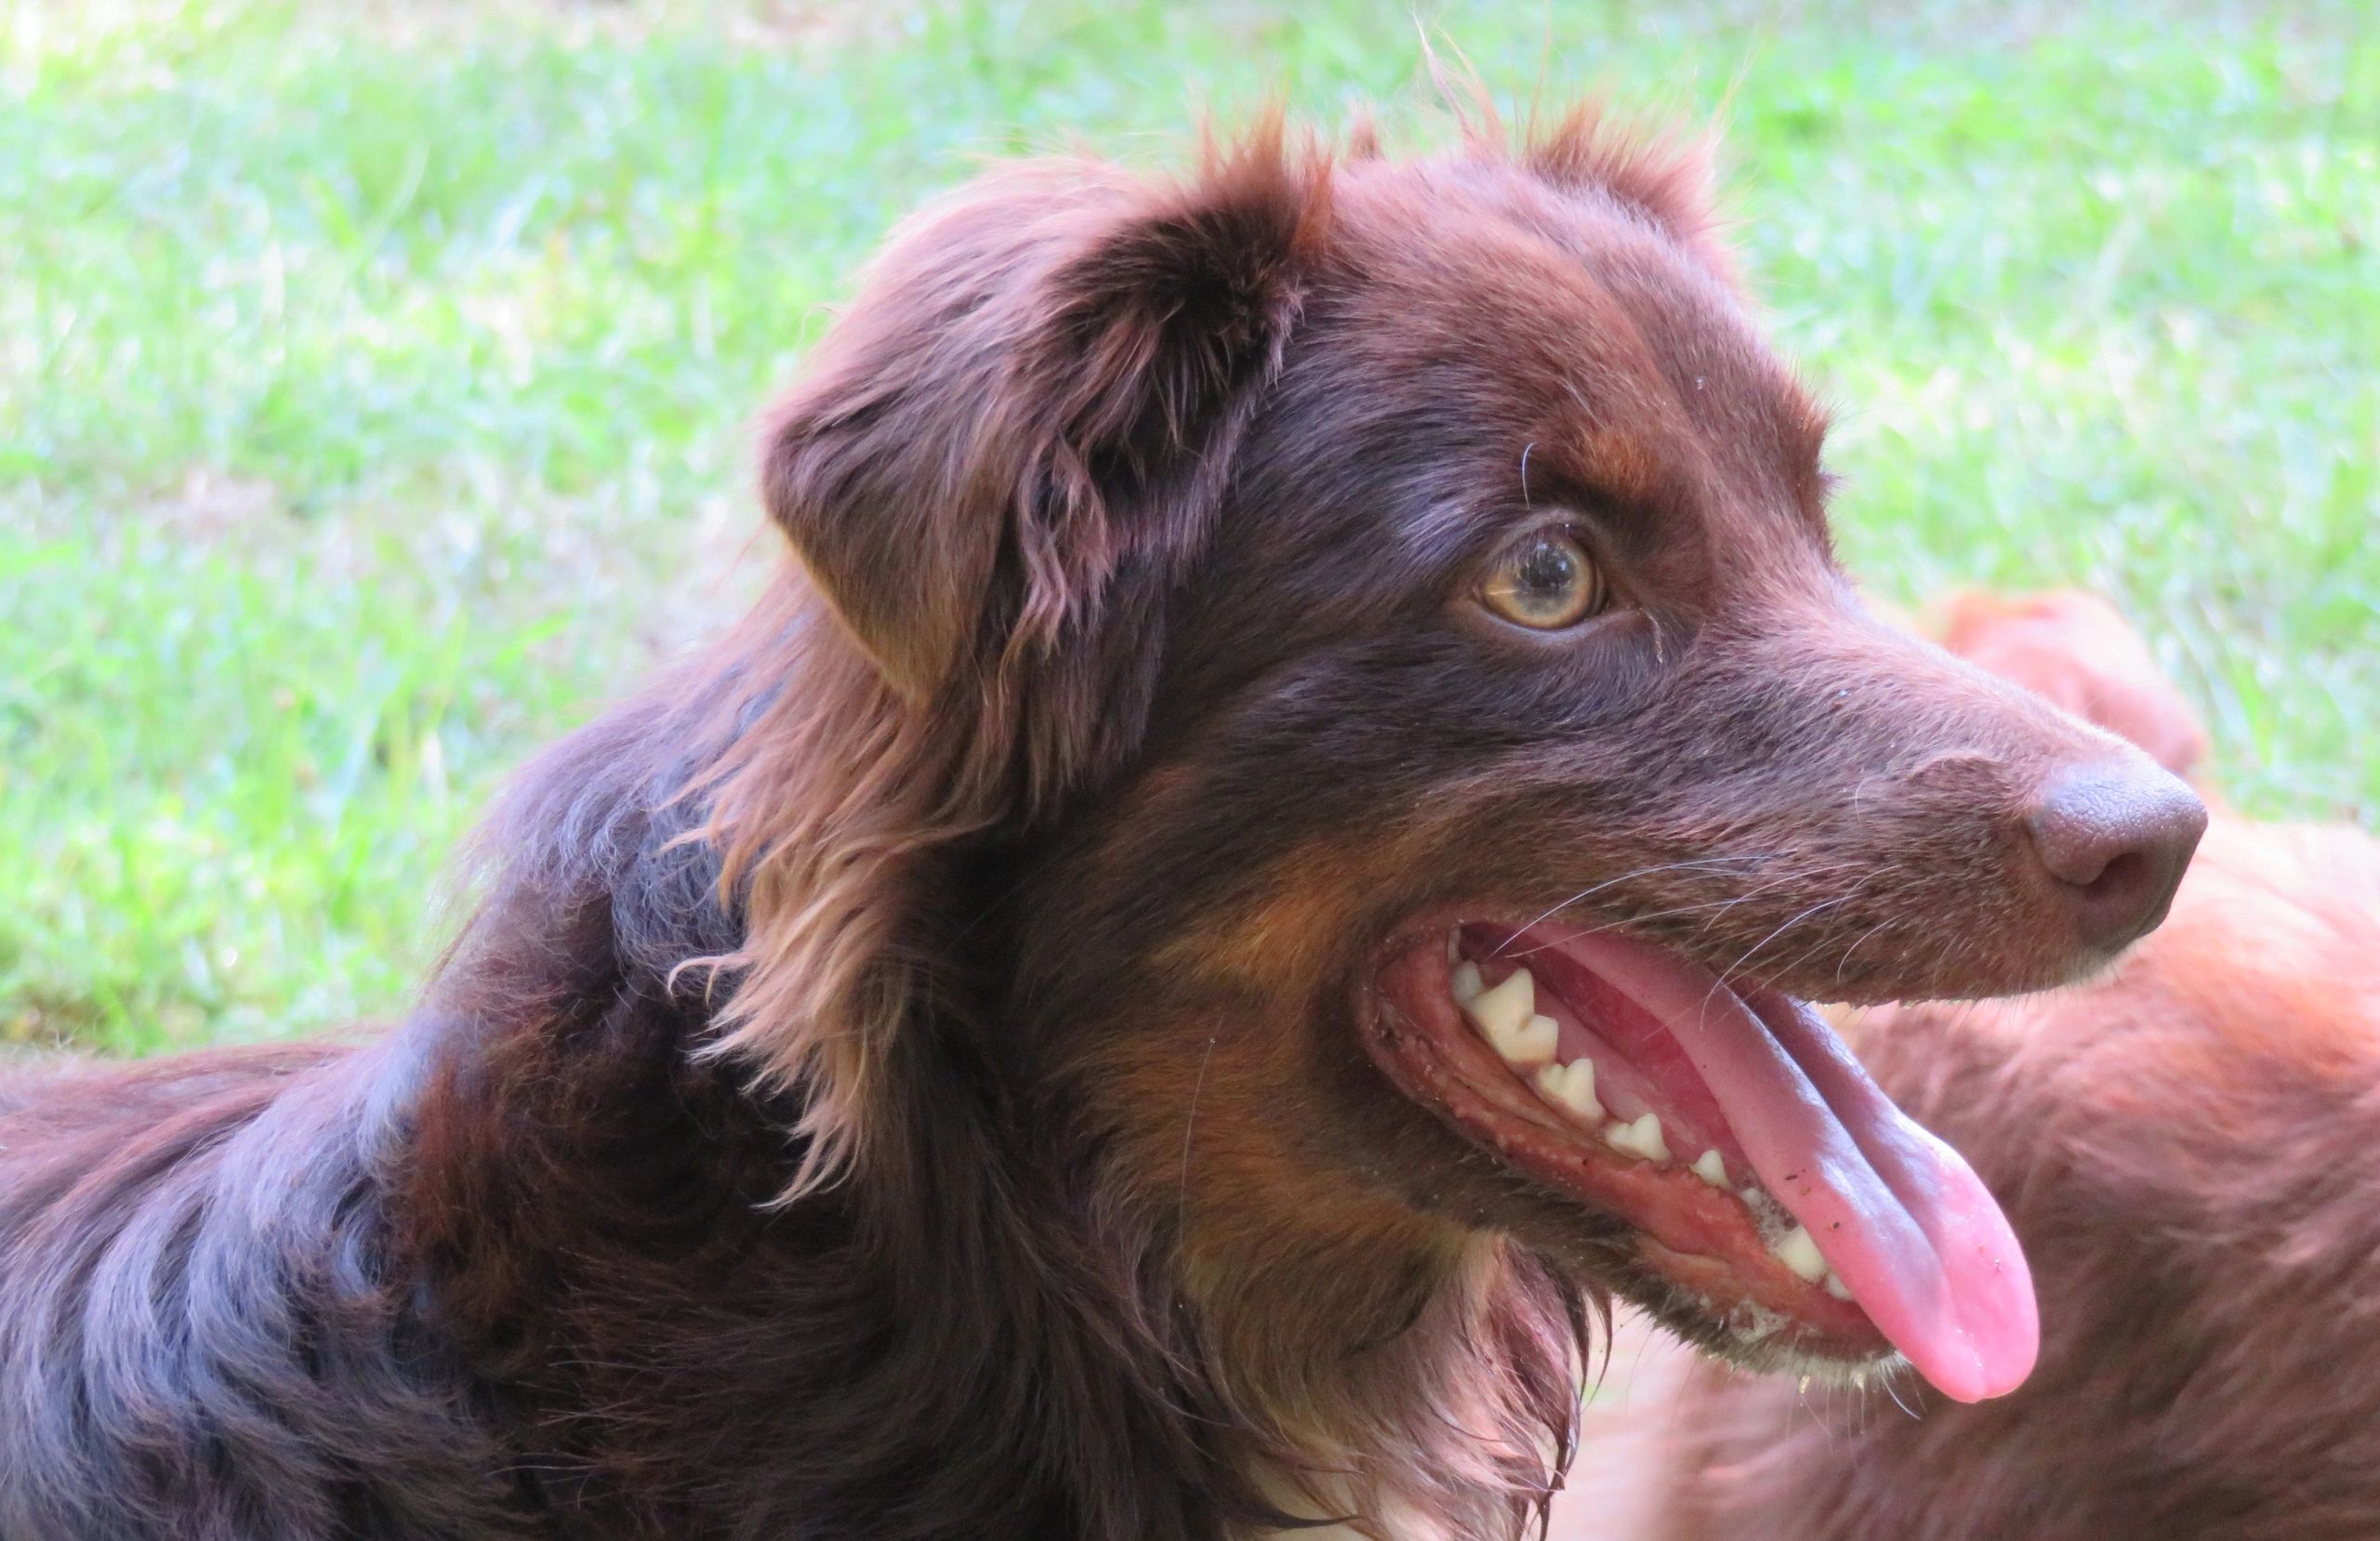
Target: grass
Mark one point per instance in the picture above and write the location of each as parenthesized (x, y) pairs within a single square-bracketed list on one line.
[(372, 393)]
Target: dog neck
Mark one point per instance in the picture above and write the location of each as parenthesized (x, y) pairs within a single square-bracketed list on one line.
[(1446, 1428), (969, 1319), (987, 1337)]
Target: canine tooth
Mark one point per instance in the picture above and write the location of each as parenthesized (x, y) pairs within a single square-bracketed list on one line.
[(1465, 983), (1501, 1011), (1835, 1286), (1572, 1085), (1796, 1251), (1641, 1139), (1710, 1169)]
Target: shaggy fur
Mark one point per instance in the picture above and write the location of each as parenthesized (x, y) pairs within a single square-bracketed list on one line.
[(902, 1081), (2186, 1147)]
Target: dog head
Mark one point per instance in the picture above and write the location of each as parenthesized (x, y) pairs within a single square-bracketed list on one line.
[(1382, 751)]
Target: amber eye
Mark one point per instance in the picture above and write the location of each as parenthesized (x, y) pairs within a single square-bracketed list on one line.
[(1545, 583)]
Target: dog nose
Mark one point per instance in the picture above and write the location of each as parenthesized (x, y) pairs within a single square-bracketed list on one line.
[(2117, 838)]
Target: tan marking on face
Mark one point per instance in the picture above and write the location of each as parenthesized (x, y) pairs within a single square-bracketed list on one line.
[(1626, 465), (1304, 906)]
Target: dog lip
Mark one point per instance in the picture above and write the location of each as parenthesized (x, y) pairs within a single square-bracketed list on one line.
[(1900, 1217), (1700, 1237)]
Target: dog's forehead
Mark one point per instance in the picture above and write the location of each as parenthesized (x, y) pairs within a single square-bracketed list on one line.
[(1566, 316)]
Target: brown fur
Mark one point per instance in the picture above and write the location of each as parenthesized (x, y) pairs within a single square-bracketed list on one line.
[(904, 1079)]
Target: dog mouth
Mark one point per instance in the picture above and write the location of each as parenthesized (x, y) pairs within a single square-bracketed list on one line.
[(1798, 1216)]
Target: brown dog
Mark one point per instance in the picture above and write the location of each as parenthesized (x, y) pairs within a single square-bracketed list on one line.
[(2187, 1148), (1267, 856)]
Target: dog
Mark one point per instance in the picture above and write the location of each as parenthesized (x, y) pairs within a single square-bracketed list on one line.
[(1038, 1033), (2184, 1145)]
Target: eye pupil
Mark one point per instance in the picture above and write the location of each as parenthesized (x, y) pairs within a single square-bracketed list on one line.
[(1548, 570), (1544, 583)]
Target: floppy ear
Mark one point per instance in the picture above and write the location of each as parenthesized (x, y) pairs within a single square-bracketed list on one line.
[(1024, 396), (998, 456)]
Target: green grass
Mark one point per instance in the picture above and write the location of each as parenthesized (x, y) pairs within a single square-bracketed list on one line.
[(372, 394)]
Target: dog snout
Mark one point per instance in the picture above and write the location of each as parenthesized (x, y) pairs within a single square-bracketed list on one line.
[(2115, 837)]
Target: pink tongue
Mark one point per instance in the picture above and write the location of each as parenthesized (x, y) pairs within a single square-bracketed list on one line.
[(1901, 1218)]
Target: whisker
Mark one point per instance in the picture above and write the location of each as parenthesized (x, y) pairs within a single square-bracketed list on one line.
[(1787, 880), (1790, 921), (1845, 961), (1189, 1126), (1693, 864), (1590, 890), (1720, 904)]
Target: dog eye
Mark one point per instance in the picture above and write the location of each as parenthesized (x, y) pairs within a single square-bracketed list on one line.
[(1544, 583)]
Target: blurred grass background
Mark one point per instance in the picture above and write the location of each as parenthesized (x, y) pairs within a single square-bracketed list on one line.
[(373, 382)]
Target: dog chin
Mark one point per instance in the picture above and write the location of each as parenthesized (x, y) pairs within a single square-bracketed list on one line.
[(1750, 1337)]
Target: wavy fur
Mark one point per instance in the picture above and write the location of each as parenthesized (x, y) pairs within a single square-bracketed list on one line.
[(898, 1083)]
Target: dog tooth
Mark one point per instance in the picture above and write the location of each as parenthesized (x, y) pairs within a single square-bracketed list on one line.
[(1711, 1168), (1573, 1086), (1835, 1286), (1533, 1042), (1581, 1094), (1798, 1252), (1465, 983), (1504, 1009), (1641, 1139)]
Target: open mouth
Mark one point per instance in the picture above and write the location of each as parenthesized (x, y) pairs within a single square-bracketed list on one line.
[(1804, 1218)]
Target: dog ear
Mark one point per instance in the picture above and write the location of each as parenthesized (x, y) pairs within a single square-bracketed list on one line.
[(1031, 377), (997, 458)]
